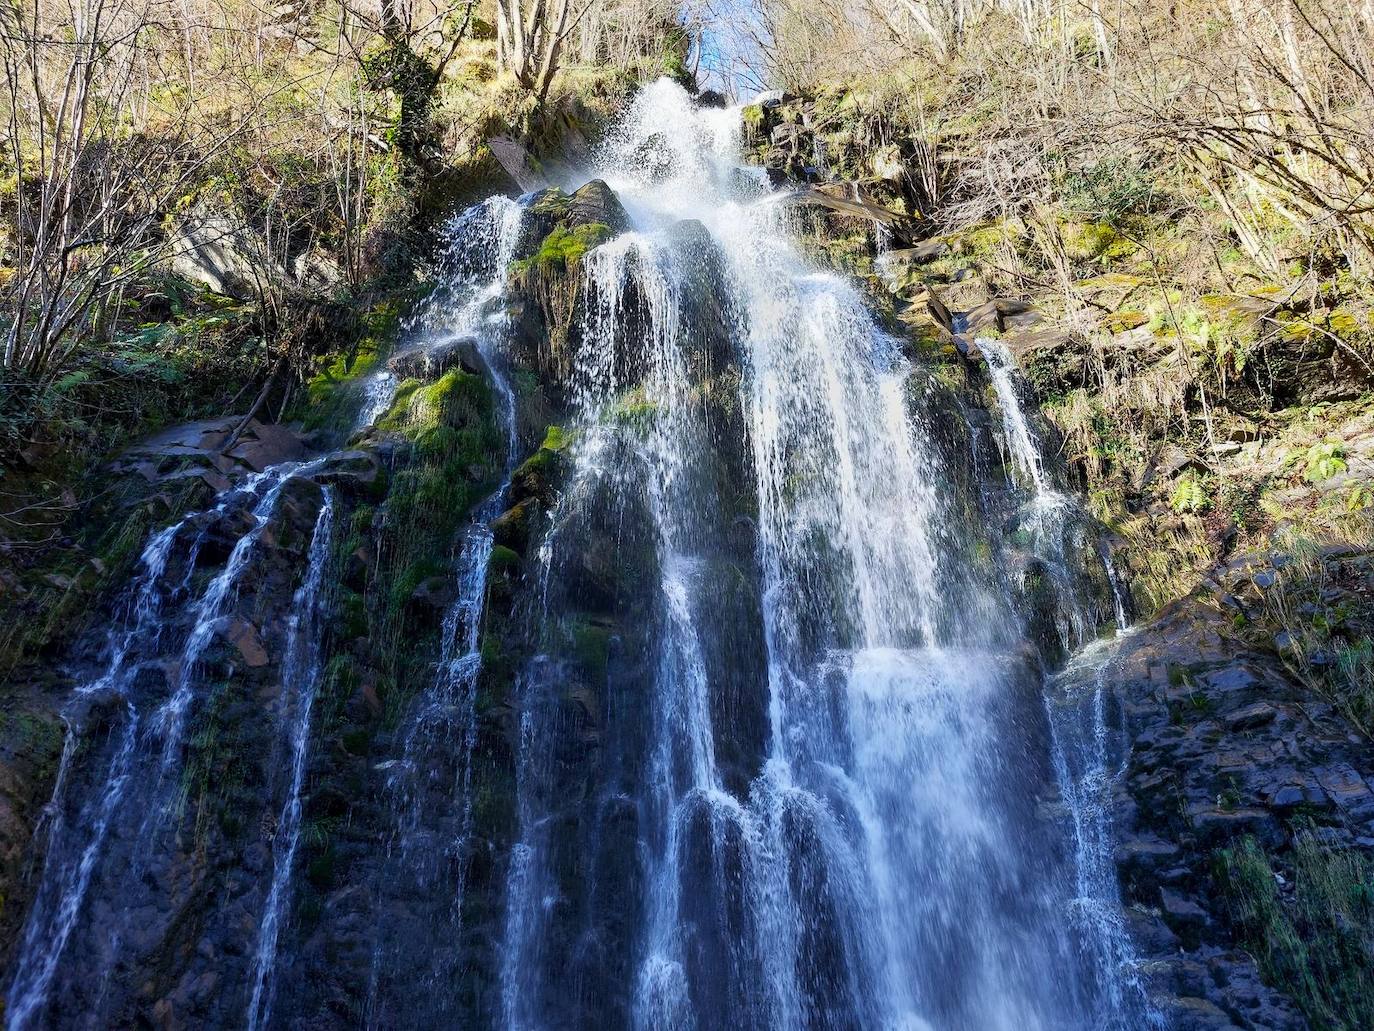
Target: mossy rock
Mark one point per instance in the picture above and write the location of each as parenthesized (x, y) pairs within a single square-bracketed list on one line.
[(1096, 241), (591, 645), (562, 248), (513, 527), (332, 393), (536, 476), (1125, 320)]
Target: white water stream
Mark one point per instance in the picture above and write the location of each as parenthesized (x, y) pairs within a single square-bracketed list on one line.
[(881, 870)]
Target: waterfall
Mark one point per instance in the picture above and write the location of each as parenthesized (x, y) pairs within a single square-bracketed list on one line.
[(429, 784), (1051, 517), (135, 785), (171, 715), (469, 285), (300, 679), (1077, 701), (880, 864), (765, 740)]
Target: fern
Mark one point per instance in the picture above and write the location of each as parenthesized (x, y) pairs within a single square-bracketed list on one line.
[(1189, 496)]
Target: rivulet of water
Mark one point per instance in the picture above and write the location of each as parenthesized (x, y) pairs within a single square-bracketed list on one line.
[(466, 302), (136, 790), (300, 681), (429, 783), (1077, 700)]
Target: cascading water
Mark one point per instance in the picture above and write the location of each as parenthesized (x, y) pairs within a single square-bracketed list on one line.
[(778, 741), (301, 676), (465, 304), (879, 864), (138, 788), (1077, 700), (430, 783), (1050, 517)]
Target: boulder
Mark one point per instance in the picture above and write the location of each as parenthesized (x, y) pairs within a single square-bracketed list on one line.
[(596, 203), (246, 641), (355, 472), (515, 160), (432, 360), (221, 254)]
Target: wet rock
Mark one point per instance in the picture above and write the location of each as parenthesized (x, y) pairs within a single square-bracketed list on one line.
[(357, 472), (1225, 745), (994, 314), (435, 593), (512, 528), (433, 360), (596, 203), (199, 446), (921, 254), (246, 641)]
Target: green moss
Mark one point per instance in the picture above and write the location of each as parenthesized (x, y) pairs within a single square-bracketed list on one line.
[(551, 204), (633, 410), (591, 648), (535, 475), (564, 247), (452, 400), (1096, 241), (556, 438), (332, 393), (453, 461), (985, 240), (1125, 319), (503, 558), (752, 118)]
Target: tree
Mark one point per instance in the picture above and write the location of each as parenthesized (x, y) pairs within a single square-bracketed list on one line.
[(530, 35)]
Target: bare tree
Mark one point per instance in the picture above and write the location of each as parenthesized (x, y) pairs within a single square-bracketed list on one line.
[(530, 37), (102, 152)]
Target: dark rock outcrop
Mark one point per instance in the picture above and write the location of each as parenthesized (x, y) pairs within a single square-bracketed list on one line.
[(1227, 750)]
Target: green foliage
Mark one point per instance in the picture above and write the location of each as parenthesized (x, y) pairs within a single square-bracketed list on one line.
[(1323, 461), (1315, 939), (1360, 497), (331, 399), (1190, 495), (1109, 190)]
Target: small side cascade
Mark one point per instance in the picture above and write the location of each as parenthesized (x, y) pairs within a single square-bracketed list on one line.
[(1052, 519), (1077, 701), (300, 682), (466, 303), (1088, 764), (430, 782), (170, 717), (138, 790)]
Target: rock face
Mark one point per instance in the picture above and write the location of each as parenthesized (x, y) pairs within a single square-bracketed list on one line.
[(1230, 757)]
